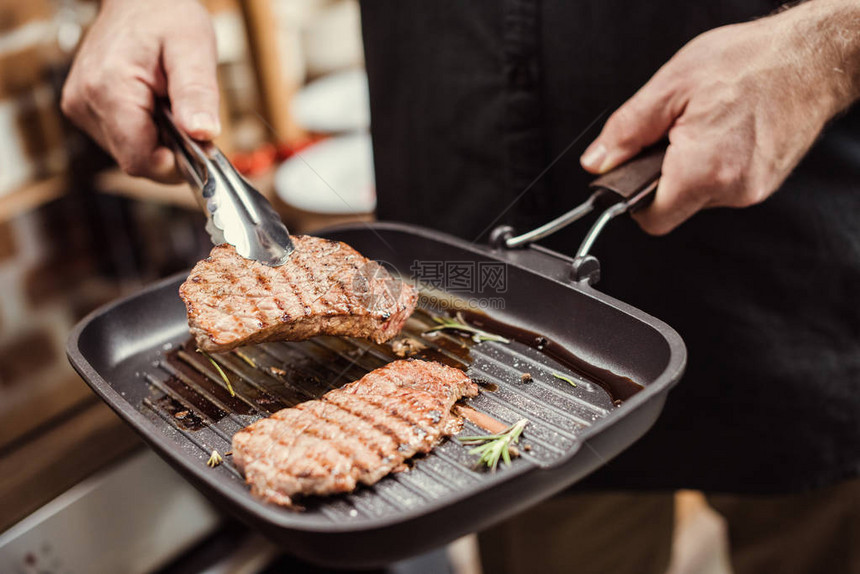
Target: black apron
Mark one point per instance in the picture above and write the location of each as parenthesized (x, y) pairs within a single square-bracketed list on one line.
[(472, 100)]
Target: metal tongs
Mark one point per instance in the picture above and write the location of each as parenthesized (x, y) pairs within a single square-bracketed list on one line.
[(628, 187), (236, 213)]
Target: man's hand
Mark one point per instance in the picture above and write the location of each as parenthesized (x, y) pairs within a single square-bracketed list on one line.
[(134, 52), (741, 105)]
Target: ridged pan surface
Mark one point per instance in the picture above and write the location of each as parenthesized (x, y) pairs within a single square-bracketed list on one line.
[(136, 354)]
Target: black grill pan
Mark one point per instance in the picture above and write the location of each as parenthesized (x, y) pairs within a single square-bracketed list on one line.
[(134, 354)]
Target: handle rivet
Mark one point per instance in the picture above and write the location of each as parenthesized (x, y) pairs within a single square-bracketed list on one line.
[(500, 235), (585, 269)]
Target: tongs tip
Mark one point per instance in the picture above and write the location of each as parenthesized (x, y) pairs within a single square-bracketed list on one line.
[(268, 244), (236, 213)]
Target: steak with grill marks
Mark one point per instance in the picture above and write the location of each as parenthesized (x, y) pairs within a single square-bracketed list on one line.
[(351, 435), (325, 288)]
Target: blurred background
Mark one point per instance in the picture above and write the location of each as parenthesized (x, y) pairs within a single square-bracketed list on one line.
[(75, 233)]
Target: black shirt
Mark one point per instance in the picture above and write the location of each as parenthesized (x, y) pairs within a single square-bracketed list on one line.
[(472, 100)]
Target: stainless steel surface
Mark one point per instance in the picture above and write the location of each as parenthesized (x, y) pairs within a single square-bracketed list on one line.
[(131, 518), (631, 185), (611, 213), (236, 213), (252, 555), (556, 224)]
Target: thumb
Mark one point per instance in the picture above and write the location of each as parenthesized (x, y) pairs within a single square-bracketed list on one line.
[(641, 121), (190, 65)]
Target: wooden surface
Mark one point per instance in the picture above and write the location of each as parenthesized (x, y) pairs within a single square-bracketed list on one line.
[(115, 182), (298, 221), (31, 196), (63, 453), (275, 91), (45, 400)]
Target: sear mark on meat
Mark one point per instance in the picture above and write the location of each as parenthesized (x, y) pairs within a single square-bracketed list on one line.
[(355, 434), (325, 288)]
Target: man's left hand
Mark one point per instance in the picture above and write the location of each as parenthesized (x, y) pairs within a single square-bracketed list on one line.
[(741, 105)]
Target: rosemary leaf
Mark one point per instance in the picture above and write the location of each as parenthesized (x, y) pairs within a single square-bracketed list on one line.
[(246, 358), (506, 455), (459, 324), (220, 371), (493, 447), (564, 378), (214, 459), (478, 439)]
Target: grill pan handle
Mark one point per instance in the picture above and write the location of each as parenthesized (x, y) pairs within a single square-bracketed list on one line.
[(629, 187), (630, 179)]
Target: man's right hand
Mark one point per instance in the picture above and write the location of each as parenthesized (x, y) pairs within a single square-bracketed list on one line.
[(134, 52)]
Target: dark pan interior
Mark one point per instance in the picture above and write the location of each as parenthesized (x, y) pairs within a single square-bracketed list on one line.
[(136, 356)]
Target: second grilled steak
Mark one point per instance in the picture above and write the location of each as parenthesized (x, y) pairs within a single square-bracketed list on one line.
[(325, 288), (355, 434)]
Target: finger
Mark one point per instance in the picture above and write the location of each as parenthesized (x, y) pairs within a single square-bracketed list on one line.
[(190, 64), (118, 117), (78, 108), (135, 146), (165, 170), (641, 121), (79, 113), (132, 141), (130, 135), (682, 191)]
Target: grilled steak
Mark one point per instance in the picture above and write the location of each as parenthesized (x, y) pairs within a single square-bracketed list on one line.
[(355, 434), (325, 288)]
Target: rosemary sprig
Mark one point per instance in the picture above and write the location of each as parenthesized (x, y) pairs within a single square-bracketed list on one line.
[(459, 324), (493, 447), (564, 378), (214, 459), (246, 358), (220, 371)]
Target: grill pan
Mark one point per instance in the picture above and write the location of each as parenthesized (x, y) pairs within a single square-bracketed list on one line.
[(135, 355)]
